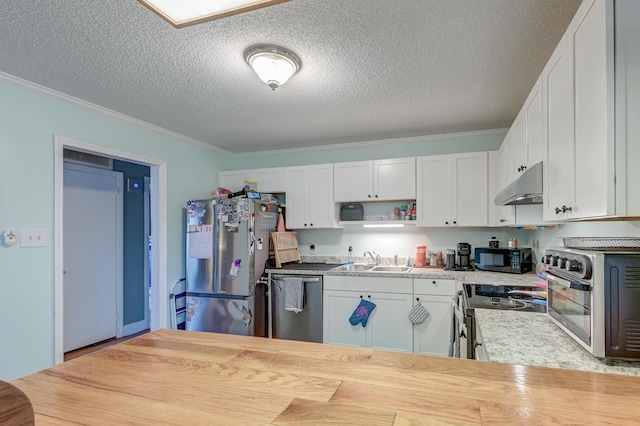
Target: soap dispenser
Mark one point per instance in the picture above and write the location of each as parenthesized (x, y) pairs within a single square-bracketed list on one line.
[(350, 256)]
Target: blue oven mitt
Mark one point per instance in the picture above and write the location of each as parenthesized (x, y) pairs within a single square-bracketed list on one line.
[(362, 312)]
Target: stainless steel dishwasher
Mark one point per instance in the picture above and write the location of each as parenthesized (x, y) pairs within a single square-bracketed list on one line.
[(305, 325)]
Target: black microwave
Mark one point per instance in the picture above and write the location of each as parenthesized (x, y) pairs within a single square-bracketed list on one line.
[(512, 261)]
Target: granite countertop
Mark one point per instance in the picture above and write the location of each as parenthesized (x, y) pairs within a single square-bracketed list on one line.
[(463, 277), (533, 339)]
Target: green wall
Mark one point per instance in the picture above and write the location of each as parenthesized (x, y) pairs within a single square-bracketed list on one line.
[(375, 150), (29, 119)]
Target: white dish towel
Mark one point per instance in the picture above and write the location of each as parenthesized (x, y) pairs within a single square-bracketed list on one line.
[(293, 294)]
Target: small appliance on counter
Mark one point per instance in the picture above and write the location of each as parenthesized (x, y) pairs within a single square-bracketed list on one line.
[(464, 256), (512, 261), (593, 293), (459, 259)]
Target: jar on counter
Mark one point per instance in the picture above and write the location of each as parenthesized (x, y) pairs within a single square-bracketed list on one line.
[(421, 255), (513, 243)]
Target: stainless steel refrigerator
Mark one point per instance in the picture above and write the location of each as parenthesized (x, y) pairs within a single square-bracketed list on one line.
[(227, 245)]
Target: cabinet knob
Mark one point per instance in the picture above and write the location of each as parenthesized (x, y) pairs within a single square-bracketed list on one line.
[(455, 222), (433, 282), (503, 220), (446, 223), (417, 299), (311, 224), (305, 224), (369, 296), (566, 209), (558, 210), (369, 196), (376, 195)]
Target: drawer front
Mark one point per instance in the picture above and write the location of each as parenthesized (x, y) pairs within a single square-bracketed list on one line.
[(375, 284), (437, 287)]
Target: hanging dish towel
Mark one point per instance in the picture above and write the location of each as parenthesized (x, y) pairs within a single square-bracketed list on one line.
[(362, 312), (293, 294), (418, 314), (280, 226)]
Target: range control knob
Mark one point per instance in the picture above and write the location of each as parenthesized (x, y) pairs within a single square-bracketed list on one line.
[(561, 262), (554, 260), (573, 265)]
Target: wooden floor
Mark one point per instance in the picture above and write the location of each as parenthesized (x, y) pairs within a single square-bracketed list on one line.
[(181, 377), (100, 345)]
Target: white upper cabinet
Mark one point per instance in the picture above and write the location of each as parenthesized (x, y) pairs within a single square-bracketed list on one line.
[(379, 180), (453, 190), (591, 52), (498, 215), (309, 191), (527, 133), (558, 168), (268, 180), (582, 172)]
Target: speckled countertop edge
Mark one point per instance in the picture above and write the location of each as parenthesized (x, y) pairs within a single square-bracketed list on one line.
[(527, 338), (461, 277)]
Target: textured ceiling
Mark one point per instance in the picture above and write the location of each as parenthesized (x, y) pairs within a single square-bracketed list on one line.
[(371, 69)]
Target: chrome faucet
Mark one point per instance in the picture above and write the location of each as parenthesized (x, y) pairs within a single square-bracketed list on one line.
[(376, 259), (395, 260)]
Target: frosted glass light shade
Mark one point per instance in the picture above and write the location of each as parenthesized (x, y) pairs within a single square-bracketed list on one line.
[(182, 13), (274, 65)]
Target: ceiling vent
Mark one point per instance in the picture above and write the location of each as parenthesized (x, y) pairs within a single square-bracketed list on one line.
[(87, 159)]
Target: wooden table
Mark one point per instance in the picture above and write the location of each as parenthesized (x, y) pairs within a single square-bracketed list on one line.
[(190, 378)]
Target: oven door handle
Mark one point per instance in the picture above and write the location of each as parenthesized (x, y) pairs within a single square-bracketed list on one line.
[(569, 284)]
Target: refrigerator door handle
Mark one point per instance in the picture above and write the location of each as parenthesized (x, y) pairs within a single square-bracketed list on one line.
[(246, 313)]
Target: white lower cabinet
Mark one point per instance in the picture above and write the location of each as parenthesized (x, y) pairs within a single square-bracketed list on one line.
[(432, 336), (388, 326)]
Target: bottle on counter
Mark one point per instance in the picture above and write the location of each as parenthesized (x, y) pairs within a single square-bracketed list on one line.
[(350, 256), (421, 255)]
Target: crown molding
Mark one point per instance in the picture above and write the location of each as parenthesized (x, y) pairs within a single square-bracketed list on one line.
[(34, 87)]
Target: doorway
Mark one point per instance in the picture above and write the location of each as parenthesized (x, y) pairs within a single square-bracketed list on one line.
[(93, 280), (158, 228)]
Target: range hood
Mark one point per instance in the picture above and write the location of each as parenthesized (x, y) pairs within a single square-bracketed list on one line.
[(527, 189)]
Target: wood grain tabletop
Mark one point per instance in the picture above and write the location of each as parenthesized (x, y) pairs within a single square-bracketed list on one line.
[(191, 378)]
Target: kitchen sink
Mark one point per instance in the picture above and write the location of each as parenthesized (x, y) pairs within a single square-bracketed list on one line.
[(390, 268), (357, 267)]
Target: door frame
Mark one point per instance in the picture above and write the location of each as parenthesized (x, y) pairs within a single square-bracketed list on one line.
[(143, 324), (158, 215), (119, 235)]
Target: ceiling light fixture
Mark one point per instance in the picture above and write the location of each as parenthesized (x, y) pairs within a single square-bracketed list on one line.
[(273, 64), (182, 13)]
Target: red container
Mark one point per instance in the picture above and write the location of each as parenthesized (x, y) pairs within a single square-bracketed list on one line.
[(421, 255)]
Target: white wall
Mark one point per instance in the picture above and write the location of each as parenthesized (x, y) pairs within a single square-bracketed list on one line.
[(29, 119)]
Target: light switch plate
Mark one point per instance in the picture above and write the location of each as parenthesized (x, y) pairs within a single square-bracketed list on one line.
[(34, 237)]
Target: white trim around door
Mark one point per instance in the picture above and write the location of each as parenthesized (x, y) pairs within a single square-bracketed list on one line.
[(158, 213)]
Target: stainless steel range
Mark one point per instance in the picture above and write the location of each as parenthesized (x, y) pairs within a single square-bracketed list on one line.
[(594, 296), (487, 296)]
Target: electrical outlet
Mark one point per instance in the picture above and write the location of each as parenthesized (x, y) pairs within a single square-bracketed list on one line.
[(313, 249), (34, 238)]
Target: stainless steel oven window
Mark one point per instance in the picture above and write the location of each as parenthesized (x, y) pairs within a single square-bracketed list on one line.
[(570, 303)]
